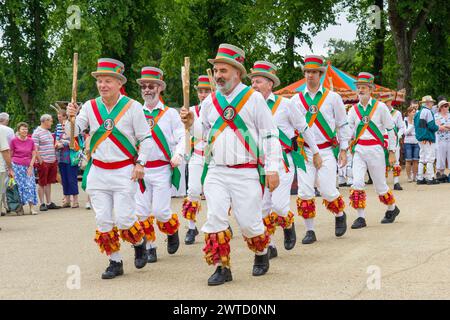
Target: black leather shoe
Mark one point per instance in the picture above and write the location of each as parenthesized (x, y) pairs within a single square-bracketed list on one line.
[(443, 178), (359, 223), (343, 185), (317, 193), (43, 207), (114, 269), (433, 181), (140, 255), (151, 255), (290, 237), (390, 216), (173, 242), (190, 236), (369, 181), (220, 276), (261, 265), (273, 252), (397, 186), (310, 237), (422, 181), (52, 206), (340, 225)]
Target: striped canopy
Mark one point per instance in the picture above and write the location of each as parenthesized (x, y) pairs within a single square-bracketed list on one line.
[(343, 84)]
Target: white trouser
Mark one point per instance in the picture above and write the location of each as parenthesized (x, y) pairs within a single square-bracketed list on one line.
[(279, 200), (443, 153), (112, 190), (397, 156), (195, 183), (156, 198), (325, 177), (241, 187), (370, 158), (427, 155), (345, 174)]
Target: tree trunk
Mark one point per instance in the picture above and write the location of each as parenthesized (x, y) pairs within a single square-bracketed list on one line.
[(380, 35)]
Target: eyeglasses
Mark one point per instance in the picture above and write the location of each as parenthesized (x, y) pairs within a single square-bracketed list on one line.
[(148, 86)]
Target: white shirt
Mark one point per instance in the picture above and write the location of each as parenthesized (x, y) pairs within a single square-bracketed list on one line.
[(197, 127), (9, 132), (398, 122), (288, 118), (4, 145), (227, 148), (173, 129), (132, 125), (410, 132), (381, 118), (333, 110)]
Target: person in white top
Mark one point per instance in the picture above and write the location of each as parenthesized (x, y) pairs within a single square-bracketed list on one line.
[(242, 154), (345, 174), (369, 120), (325, 114), (399, 129), (4, 121), (411, 144), (161, 168), (276, 204), (191, 204), (117, 123)]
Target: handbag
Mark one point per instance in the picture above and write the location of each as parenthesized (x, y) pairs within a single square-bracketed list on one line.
[(12, 196)]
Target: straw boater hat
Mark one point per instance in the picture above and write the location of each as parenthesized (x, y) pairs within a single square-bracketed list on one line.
[(265, 69), (110, 67), (314, 63), (366, 78), (442, 103), (203, 83), (231, 55), (427, 99), (387, 96), (152, 74)]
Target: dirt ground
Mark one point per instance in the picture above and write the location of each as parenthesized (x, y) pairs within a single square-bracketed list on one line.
[(41, 256)]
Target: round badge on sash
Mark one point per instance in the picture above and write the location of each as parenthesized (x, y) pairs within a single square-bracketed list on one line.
[(108, 124), (365, 119), (313, 109), (151, 122), (229, 113)]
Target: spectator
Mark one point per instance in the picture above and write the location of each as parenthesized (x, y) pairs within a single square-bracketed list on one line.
[(69, 173), (442, 140), (5, 160), (4, 121), (23, 154), (435, 107), (411, 144), (46, 156)]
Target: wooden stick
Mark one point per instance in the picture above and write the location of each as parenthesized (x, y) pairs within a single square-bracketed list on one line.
[(185, 70), (74, 99), (211, 79)]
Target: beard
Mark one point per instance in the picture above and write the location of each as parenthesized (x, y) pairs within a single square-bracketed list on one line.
[(225, 86), (150, 99)]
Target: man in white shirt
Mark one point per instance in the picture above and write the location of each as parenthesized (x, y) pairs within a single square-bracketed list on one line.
[(161, 168), (326, 116), (287, 117), (369, 120), (117, 125), (4, 121), (191, 204), (5, 162), (242, 154)]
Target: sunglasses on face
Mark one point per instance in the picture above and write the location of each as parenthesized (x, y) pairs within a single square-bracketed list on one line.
[(148, 86)]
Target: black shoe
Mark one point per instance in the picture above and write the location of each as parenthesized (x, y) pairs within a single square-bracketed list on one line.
[(114, 269), (261, 265), (140, 255), (359, 223), (369, 181), (433, 181), (317, 192), (290, 237), (220, 276), (310, 237), (190, 236), (273, 252), (390, 216), (231, 230), (52, 206), (443, 178), (340, 225), (422, 181), (151, 255), (43, 207), (397, 186), (173, 242)]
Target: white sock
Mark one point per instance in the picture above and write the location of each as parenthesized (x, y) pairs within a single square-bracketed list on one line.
[(272, 243), (262, 253), (340, 214), (191, 224), (391, 207), (309, 223), (116, 257), (420, 171), (396, 180), (430, 171), (361, 213), (150, 245)]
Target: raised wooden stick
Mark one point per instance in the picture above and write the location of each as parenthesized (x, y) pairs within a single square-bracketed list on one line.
[(185, 70), (211, 79), (74, 99)]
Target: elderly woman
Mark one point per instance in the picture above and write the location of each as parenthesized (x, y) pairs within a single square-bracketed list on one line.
[(443, 140), (69, 173), (411, 145), (23, 157)]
